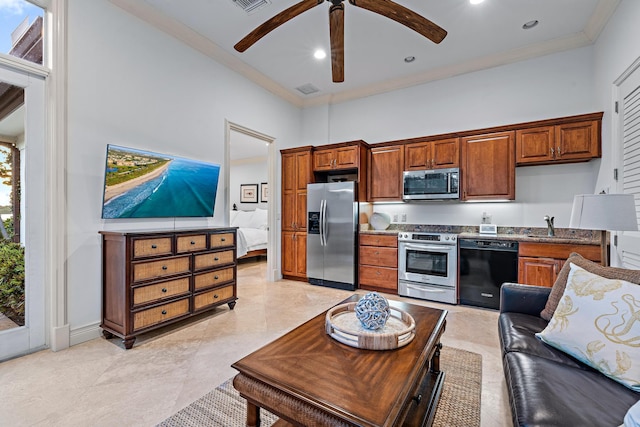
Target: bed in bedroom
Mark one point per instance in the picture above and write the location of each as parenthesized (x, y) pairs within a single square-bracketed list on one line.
[(252, 232)]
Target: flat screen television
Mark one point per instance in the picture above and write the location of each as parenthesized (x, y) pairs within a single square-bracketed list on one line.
[(143, 184)]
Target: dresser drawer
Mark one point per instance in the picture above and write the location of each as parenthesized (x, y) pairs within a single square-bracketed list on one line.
[(153, 316), (143, 248), (379, 256), (155, 269), (379, 240), (215, 296), (162, 290), (212, 259), (213, 278), (195, 242), (380, 277), (221, 240)]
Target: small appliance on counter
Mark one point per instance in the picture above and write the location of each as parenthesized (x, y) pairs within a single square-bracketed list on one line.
[(488, 229)]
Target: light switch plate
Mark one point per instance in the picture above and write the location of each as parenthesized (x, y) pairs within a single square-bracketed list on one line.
[(489, 229)]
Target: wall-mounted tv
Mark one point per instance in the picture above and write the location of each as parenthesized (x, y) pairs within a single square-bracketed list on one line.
[(143, 184)]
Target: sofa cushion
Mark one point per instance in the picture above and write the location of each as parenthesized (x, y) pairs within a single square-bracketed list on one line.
[(632, 276), (545, 393), (596, 322), (517, 333)]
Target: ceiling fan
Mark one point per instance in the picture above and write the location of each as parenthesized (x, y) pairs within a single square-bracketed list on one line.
[(385, 8)]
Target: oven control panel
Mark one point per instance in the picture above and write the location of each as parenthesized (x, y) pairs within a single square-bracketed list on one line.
[(438, 238)]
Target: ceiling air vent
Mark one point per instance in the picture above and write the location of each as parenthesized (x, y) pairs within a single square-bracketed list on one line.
[(251, 6), (308, 89)]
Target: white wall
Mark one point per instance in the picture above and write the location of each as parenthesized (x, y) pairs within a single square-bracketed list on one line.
[(132, 85), (551, 86), (250, 171)]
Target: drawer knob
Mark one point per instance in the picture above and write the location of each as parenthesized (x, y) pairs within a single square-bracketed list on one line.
[(417, 398), (215, 277), (164, 311), (154, 246), (216, 259), (164, 267), (164, 290), (215, 296), (193, 243), (223, 240), (378, 273)]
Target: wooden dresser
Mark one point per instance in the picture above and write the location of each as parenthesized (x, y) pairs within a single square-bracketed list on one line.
[(152, 279)]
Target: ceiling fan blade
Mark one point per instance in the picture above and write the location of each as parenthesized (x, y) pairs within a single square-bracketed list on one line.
[(336, 34), (404, 16), (275, 22)]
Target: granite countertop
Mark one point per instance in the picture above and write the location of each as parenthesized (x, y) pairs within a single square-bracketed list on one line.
[(520, 234)]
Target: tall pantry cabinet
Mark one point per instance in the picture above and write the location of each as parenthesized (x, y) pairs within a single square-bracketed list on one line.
[(297, 172)]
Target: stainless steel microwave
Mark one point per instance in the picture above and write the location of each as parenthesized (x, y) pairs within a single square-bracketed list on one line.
[(432, 184)]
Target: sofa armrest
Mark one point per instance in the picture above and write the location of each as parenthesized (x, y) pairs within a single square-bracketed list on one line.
[(526, 299)]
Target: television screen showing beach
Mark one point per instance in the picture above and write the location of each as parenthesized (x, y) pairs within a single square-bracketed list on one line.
[(142, 184)]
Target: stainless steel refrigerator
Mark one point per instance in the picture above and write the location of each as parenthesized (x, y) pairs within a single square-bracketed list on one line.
[(332, 215)]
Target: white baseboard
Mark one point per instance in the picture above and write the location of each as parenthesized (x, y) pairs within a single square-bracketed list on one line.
[(60, 337), (85, 333)]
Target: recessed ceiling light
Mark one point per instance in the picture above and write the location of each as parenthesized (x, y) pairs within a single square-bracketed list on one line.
[(475, 1), (529, 25), (319, 54), (409, 59)]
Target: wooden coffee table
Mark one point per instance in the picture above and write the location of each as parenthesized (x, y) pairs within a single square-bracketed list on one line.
[(309, 379)]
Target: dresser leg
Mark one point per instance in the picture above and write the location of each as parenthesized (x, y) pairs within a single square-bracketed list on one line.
[(232, 304), (253, 415), (435, 362), (128, 342), (108, 335)]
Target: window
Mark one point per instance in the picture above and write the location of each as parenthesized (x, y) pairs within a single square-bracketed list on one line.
[(21, 30)]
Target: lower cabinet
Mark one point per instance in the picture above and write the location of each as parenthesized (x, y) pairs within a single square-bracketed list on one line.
[(540, 263), (152, 279), (378, 269), (294, 255)]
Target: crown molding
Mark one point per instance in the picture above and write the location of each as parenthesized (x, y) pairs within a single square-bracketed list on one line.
[(602, 14)]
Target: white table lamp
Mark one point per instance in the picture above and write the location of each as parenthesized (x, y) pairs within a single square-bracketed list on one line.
[(604, 212)]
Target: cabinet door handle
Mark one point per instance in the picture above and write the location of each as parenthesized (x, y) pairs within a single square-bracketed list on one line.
[(164, 311), (377, 253), (154, 246), (558, 151), (164, 290), (552, 152), (164, 267)]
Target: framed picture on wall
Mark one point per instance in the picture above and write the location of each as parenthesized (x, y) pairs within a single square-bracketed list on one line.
[(264, 192), (248, 193)]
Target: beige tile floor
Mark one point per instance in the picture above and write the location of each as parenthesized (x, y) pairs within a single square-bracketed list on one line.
[(98, 383)]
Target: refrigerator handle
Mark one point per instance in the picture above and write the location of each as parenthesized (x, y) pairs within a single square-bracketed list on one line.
[(322, 202), (324, 223)]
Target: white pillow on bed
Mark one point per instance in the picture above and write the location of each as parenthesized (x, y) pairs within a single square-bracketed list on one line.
[(259, 219), (242, 219), (232, 217)]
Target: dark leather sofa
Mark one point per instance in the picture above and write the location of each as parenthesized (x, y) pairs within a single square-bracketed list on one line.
[(547, 387)]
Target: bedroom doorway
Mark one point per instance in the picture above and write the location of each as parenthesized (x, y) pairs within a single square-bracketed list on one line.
[(250, 176)]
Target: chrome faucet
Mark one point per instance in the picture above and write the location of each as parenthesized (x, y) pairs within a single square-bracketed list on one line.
[(550, 229)]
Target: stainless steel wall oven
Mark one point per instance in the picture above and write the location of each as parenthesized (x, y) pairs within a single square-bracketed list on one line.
[(427, 266)]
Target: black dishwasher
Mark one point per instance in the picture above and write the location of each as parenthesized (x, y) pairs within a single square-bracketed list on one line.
[(484, 266)]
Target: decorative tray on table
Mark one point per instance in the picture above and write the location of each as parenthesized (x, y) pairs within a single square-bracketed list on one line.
[(342, 325)]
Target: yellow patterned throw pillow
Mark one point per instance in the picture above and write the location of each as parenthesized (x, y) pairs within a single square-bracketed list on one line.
[(598, 322)]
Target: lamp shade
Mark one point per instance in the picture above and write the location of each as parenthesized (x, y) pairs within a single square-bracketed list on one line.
[(616, 212)]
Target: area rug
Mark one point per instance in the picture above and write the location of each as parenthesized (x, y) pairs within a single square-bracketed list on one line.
[(459, 404)]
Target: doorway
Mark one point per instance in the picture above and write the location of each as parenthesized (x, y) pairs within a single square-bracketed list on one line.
[(250, 178)]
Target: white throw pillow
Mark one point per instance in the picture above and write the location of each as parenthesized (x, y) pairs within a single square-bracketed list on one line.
[(242, 219), (259, 219), (232, 217), (597, 323)]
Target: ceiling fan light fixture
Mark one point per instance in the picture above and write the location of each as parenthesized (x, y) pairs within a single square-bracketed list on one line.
[(529, 25), (319, 54)]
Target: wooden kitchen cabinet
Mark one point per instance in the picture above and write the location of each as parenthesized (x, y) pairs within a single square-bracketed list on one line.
[(336, 158), (438, 154), (151, 279), (540, 263), (378, 263), (385, 176), (294, 255), (488, 167), (296, 174), (563, 143)]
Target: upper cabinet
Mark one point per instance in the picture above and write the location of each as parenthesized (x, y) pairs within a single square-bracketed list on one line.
[(576, 141), (488, 167), (385, 177), (325, 159), (438, 154)]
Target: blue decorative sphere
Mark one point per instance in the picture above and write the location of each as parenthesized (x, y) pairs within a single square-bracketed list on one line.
[(373, 311)]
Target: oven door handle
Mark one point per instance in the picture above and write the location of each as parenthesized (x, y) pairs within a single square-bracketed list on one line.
[(425, 289), (429, 248)]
